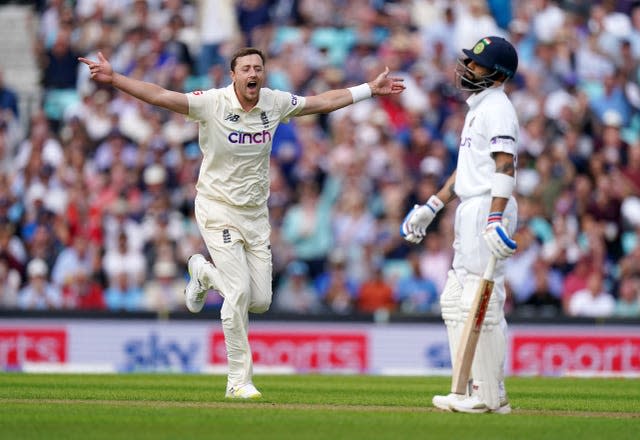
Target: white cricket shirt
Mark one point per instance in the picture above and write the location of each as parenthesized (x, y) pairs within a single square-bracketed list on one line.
[(491, 125), (236, 145)]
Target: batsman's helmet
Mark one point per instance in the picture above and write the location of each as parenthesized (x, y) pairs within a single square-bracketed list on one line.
[(495, 53)]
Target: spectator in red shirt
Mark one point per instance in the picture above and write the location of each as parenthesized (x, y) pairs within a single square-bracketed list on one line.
[(375, 293)]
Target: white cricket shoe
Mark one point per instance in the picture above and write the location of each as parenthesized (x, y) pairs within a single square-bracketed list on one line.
[(504, 408), (246, 391), (195, 294), (444, 402), (472, 405)]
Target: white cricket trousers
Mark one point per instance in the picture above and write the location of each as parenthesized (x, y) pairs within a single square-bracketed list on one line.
[(471, 253), (238, 240)]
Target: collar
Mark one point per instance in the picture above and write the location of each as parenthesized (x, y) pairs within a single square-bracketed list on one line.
[(475, 99), (235, 103)]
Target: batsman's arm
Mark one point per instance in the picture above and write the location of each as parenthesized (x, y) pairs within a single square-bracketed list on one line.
[(447, 193), (503, 181)]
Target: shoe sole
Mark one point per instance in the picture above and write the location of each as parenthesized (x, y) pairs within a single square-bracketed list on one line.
[(191, 280), (504, 409), (252, 397)]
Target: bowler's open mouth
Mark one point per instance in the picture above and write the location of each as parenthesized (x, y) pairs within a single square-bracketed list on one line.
[(252, 85)]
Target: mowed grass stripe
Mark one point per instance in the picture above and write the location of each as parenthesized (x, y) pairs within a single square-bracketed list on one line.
[(246, 405)]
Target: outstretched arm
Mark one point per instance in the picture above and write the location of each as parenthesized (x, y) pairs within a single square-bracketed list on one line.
[(102, 72), (334, 99)]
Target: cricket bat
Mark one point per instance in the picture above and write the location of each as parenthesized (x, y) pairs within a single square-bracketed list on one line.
[(471, 331)]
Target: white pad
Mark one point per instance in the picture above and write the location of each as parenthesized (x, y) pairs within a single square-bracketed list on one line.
[(487, 369), (451, 313)]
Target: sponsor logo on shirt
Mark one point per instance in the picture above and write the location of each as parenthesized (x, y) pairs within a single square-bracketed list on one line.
[(262, 137), (232, 117), (465, 142), (294, 100)]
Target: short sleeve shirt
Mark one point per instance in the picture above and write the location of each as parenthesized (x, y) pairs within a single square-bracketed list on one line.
[(490, 126), (236, 144)]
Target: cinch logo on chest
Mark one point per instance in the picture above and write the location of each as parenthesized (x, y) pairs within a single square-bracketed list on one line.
[(236, 137)]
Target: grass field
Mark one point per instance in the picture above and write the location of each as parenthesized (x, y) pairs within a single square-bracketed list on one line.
[(168, 406)]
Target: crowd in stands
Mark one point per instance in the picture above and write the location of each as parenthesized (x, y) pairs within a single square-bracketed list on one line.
[(96, 195)]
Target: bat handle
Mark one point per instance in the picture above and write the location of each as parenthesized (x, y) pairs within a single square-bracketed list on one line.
[(491, 267)]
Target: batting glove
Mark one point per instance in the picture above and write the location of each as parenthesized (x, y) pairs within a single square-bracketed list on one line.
[(497, 237), (414, 226)]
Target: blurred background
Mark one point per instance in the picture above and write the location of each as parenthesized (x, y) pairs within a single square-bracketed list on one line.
[(97, 188)]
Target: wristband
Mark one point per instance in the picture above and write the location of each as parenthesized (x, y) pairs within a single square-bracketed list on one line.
[(360, 93), (502, 185), (435, 204), (494, 217)]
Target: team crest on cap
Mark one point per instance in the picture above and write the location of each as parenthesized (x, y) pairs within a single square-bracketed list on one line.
[(479, 47)]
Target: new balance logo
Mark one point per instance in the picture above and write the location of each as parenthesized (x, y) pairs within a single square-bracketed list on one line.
[(232, 117), (226, 236)]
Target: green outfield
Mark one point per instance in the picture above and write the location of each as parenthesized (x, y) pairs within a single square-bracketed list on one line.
[(167, 406)]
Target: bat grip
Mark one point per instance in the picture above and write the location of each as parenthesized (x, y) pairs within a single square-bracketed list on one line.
[(491, 267)]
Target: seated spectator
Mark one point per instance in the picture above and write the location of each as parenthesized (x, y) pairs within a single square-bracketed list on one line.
[(592, 301), (376, 293), (10, 280), (83, 292), (124, 296), (628, 302), (576, 280), (165, 291), (436, 257), (415, 293), (74, 258), (335, 287), (545, 298), (125, 258), (39, 294), (307, 226), (296, 294)]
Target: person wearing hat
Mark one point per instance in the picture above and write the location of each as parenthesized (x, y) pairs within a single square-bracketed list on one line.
[(296, 293), (237, 124), (39, 293), (485, 220)]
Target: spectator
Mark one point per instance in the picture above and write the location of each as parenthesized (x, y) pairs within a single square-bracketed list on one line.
[(592, 301), (39, 294), (125, 259), (83, 291), (307, 227), (414, 292), (8, 100), (337, 289), (165, 290), (296, 293), (376, 294), (76, 257), (628, 301), (10, 280), (545, 298), (122, 295), (576, 280)]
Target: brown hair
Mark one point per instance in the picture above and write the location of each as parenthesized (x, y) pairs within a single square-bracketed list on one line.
[(243, 53)]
